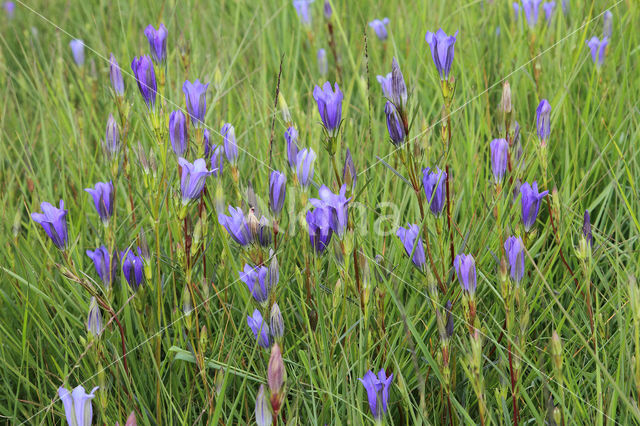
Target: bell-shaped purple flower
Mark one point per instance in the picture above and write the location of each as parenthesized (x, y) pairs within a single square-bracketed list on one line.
[(385, 83), (530, 203), (178, 133), (259, 328), (543, 119), (435, 189), (516, 10), (236, 225), (257, 279), (54, 222), (228, 132), (380, 27), (442, 51), (607, 25), (106, 265), (304, 166), (102, 194), (329, 106), (77, 50), (291, 137), (112, 138), (320, 230), (514, 248), (303, 11), (196, 98), (327, 9), (217, 160), (10, 9), (395, 126), (132, 267), (115, 74), (499, 157), (377, 388), (157, 42), (193, 178), (323, 64), (465, 266), (531, 11), (586, 228), (142, 68), (548, 8), (338, 205), (410, 238), (598, 49), (77, 405), (277, 191), (399, 94)]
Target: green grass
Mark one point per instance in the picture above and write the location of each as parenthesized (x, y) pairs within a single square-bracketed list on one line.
[(52, 121)]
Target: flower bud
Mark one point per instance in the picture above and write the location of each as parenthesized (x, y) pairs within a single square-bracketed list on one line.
[(275, 371), (276, 322), (505, 102), (263, 413), (94, 319)]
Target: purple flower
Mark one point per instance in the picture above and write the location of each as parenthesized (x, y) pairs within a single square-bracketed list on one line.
[(263, 410), (465, 267), (132, 267), (385, 83), (598, 49), (530, 203), (395, 126), (514, 248), (499, 153), (516, 9), (565, 7), (410, 237), (54, 222), (330, 106), (435, 189), (277, 191), (102, 194), (304, 166), (115, 74), (94, 319), (236, 225), (142, 68), (263, 234), (257, 279), (320, 230), (206, 139), (260, 328), (543, 119), (106, 265), (586, 228), (398, 88), (157, 42), (607, 25), (291, 136), (338, 206), (276, 322), (193, 178), (303, 11), (323, 65), (196, 98), (77, 50), (112, 137), (380, 27), (230, 146), (77, 405), (217, 160), (178, 133), (548, 10), (442, 50), (377, 388), (9, 8), (531, 10)]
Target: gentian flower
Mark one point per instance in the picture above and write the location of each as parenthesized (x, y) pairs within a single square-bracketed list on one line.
[(531, 10), (94, 319), (530, 203), (193, 179), (217, 160), (102, 195), (132, 267), (329, 106), (442, 51), (260, 328), (291, 136), (338, 206), (607, 25), (465, 267), (385, 83), (112, 138), (106, 265), (263, 235), (516, 9), (565, 7), (548, 10), (327, 9), (77, 49), (157, 42), (435, 189), (543, 119), (257, 279), (499, 154), (377, 388), (277, 191), (230, 146), (380, 27), (236, 225), (395, 126), (320, 230), (598, 49), (514, 248), (115, 74), (410, 238), (206, 138), (9, 8), (77, 405), (586, 228), (178, 133), (54, 222), (323, 65), (195, 95), (304, 166), (398, 88), (303, 11), (263, 410), (142, 68), (276, 322)]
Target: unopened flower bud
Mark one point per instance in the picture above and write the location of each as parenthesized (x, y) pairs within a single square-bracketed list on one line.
[(275, 371), (505, 102), (276, 322)]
